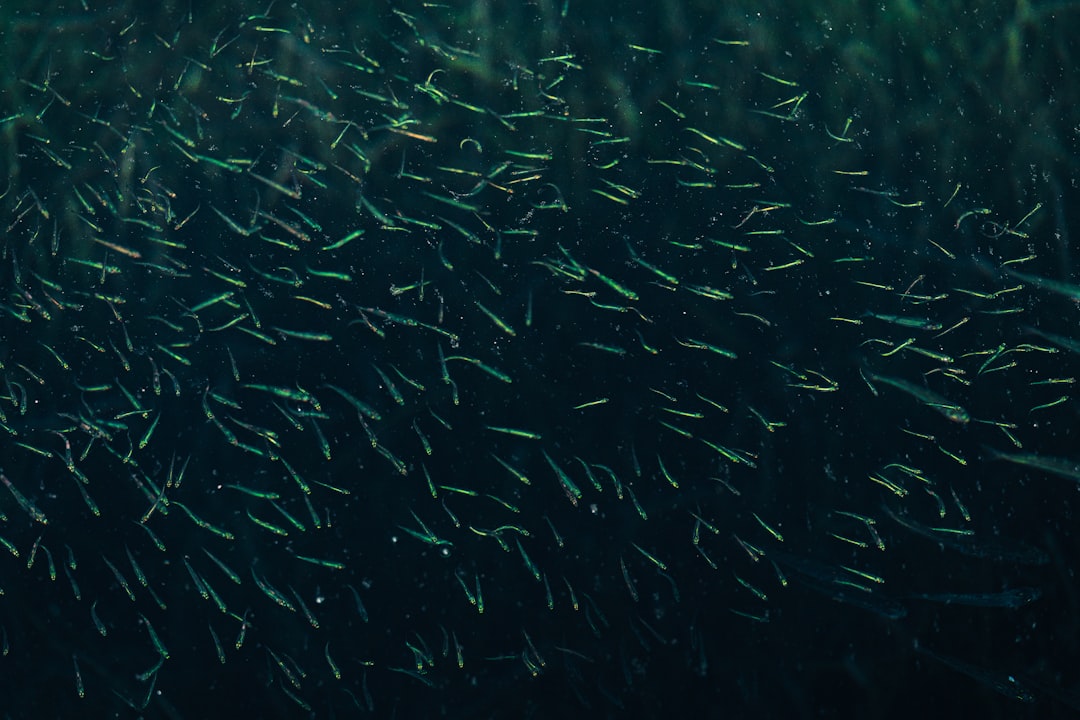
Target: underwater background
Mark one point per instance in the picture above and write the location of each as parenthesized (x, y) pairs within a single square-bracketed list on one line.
[(533, 360)]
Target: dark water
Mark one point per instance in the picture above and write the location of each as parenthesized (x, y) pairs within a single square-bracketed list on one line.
[(456, 361)]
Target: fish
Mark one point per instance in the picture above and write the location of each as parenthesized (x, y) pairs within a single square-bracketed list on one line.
[(399, 368)]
